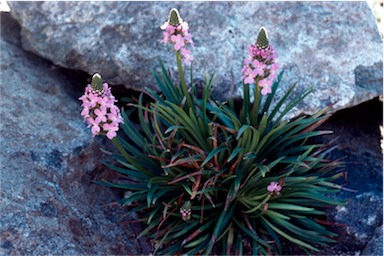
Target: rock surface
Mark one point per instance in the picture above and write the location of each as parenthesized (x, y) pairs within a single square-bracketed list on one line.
[(49, 204), (334, 47), (360, 221)]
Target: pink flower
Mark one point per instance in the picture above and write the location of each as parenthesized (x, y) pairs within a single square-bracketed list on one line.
[(249, 79), (186, 55), (188, 39), (259, 67), (266, 85), (101, 115), (266, 90), (99, 109), (85, 112), (178, 41), (95, 130), (273, 71), (111, 130), (274, 187), (170, 29)]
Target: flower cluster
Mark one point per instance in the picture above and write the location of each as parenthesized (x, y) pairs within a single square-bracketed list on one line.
[(99, 109), (261, 65), (176, 33)]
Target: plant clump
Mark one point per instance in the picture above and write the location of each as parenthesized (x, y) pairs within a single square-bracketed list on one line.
[(205, 175)]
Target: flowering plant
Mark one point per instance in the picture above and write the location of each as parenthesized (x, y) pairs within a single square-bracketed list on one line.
[(203, 174)]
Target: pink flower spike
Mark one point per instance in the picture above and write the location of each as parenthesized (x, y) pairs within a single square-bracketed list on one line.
[(98, 107), (176, 33)]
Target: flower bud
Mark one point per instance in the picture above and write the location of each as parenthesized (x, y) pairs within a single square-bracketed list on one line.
[(174, 17), (262, 39), (97, 84), (186, 211)]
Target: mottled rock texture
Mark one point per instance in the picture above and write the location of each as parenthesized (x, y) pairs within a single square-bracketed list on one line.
[(49, 204), (334, 47)]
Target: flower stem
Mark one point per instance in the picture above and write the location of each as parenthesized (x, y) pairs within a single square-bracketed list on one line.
[(246, 110), (182, 79), (256, 103)]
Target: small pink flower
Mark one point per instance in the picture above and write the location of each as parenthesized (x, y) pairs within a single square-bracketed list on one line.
[(101, 115), (265, 83), (178, 41), (111, 130), (186, 55), (184, 27), (95, 130), (188, 39), (274, 187), (259, 67), (249, 79), (170, 29), (273, 71), (85, 112), (266, 90)]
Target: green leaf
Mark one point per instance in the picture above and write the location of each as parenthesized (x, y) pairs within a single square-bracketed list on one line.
[(241, 131), (252, 233), (291, 207), (281, 102), (274, 236), (221, 223), (173, 127), (234, 153), (213, 153), (197, 241), (290, 238), (263, 124)]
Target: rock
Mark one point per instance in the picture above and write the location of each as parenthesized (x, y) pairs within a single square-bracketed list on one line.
[(375, 245), (361, 216), (334, 47), (357, 132), (49, 203)]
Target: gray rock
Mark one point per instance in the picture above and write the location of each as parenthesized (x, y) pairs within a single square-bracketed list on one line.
[(359, 219), (334, 47), (375, 246), (49, 204)]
